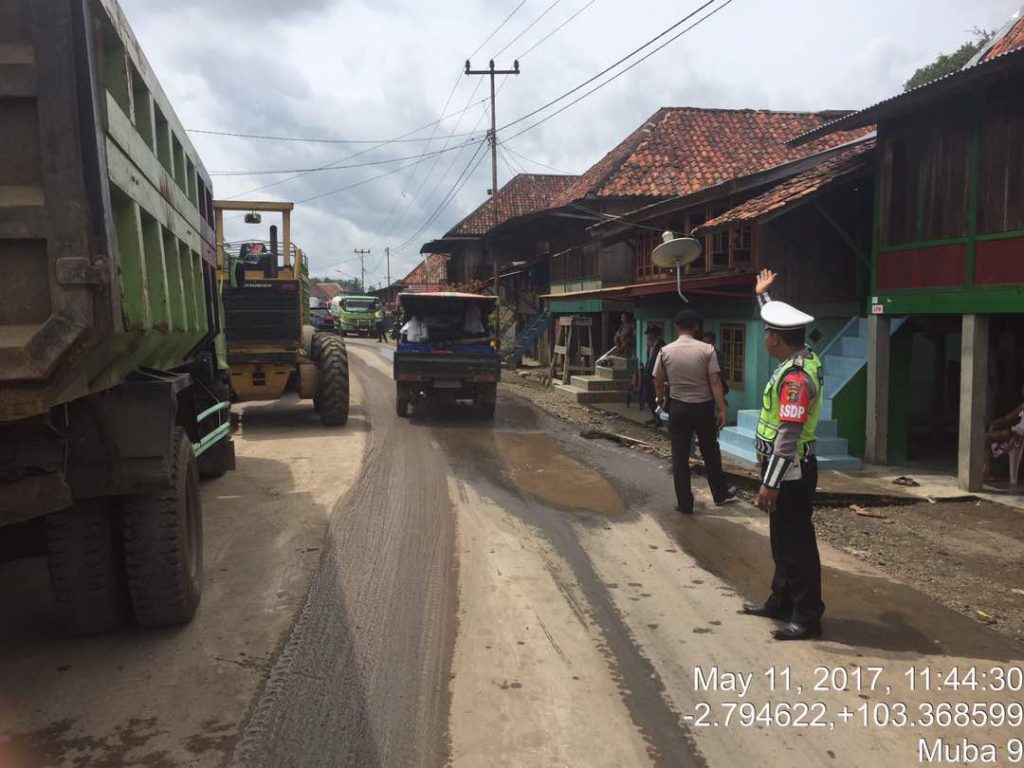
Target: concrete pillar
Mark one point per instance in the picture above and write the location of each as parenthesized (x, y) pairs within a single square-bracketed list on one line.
[(876, 444), (973, 400)]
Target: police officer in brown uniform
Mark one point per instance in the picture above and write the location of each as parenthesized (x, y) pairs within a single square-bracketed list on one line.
[(689, 386)]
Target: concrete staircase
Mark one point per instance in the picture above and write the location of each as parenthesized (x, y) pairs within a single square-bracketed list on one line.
[(844, 357), (738, 443), (609, 383)]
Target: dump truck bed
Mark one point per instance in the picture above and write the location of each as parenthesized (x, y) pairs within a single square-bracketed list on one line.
[(106, 219)]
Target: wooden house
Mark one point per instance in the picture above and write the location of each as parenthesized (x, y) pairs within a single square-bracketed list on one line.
[(947, 257)]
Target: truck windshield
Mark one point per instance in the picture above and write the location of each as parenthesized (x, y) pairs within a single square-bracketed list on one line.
[(358, 305)]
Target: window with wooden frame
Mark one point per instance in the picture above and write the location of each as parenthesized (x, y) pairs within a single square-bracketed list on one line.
[(734, 348), (741, 246), (646, 242)]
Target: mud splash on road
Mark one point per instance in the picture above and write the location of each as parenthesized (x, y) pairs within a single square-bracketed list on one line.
[(537, 467)]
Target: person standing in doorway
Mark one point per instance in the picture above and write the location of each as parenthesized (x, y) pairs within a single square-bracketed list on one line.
[(689, 387), (655, 343), (790, 407)]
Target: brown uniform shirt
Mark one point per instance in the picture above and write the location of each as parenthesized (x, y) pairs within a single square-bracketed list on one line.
[(687, 365)]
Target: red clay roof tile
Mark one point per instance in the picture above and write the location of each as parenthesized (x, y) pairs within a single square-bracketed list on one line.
[(682, 150), (1010, 41), (524, 194), (846, 163)]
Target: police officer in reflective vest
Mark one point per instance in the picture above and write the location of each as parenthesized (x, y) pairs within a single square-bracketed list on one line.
[(790, 407)]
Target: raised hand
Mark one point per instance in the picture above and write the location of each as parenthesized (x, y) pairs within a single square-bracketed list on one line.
[(764, 281)]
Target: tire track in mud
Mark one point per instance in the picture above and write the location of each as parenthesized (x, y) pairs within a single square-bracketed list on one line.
[(363, 677)]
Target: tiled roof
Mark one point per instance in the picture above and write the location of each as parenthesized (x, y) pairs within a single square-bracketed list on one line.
[(839, 166), (682, 150), (524, 194), (1012, 39), (430, 271), (325, 290)]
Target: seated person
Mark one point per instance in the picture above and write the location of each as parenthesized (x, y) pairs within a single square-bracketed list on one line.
[(624, 337), (1003, 435), (415, 331)]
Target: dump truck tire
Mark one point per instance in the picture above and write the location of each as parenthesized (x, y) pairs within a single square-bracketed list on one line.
[(333, 382), (401, 402), (163, 544), (85, 568)]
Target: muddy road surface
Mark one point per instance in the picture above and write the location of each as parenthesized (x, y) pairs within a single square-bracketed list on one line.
[(442, 590)]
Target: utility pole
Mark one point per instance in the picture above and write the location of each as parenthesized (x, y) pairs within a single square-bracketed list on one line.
[(387, 255), (362, 267), (491, 72)]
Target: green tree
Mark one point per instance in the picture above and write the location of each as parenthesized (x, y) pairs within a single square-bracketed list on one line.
[(947, 63)]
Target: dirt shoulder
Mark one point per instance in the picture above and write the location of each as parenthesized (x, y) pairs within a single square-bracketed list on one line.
[(969, 556)]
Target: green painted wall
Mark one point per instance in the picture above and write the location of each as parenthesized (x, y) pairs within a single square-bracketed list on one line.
[(849, 407)]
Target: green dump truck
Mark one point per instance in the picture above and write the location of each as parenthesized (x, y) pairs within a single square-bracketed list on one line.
[(113, 384)]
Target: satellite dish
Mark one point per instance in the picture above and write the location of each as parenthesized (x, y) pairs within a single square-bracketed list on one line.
[(675, 253)]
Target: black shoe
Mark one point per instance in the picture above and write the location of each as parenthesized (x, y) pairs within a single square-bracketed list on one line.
[(753, 609), (683, 511), (730, 494), (795, 631)]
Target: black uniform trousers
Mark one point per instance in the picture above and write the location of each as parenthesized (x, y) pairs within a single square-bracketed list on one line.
[(796, 585), (684, 421)]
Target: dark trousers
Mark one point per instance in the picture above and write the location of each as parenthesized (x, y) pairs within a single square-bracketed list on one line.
[(379, 328), (796, 585), (684, 421)]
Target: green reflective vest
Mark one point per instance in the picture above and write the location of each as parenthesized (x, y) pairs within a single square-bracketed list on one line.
[(769, 423)]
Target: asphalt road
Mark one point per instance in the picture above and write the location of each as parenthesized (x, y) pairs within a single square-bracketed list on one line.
[(445, 591)]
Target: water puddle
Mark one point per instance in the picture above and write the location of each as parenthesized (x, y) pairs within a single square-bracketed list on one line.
[(536, 467)]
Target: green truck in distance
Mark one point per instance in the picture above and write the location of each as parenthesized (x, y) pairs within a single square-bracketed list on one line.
[(357, 315), (113, 376)]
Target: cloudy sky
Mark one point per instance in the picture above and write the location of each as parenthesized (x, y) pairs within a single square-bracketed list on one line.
[(376, 70)]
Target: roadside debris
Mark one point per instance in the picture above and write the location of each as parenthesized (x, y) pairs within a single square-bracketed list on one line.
[(982, 616), (865, 512), (909, 482)]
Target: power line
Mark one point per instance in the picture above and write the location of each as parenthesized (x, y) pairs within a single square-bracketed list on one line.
[(609, 68), (504, 159), (555, 30), (318, 169), (497, 29), (617, 75), (430, 171), (316, 140), (509, 149), (526, 29), (468, 106), (347, 157), (460, 182), (364, 181)]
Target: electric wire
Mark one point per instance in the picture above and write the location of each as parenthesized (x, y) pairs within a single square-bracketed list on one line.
[(521, 156), (556, 30), (609, 68), (617, 75), (318, 169), (526, 29)]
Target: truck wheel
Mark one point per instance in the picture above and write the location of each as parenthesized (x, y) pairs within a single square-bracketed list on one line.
[(402, 402), (218, 460), (163, 544), (486, 400), (85, 568), (333, 382)]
